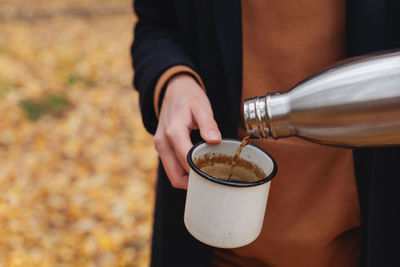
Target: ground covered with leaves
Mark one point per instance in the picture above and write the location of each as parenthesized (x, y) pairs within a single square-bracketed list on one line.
[(76, 165)]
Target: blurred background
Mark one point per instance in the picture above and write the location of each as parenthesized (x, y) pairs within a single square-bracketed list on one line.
[(77, 168)]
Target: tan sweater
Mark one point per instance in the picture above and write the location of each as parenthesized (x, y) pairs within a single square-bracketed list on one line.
[(313, 217)]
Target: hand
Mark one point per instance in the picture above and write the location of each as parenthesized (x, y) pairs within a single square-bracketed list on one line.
[(185, 108)]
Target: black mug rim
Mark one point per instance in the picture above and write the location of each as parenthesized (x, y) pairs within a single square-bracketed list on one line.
[(232, 183)]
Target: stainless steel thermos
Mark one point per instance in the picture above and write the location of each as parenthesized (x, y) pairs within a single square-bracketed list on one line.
[(353, 104)]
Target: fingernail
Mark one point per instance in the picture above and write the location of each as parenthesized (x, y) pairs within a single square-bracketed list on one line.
[(213, 135)]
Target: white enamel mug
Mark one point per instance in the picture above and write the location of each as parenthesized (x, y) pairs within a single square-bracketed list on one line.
[(227, 214)]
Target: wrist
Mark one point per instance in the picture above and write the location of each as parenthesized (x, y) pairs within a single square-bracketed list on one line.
[(179, 78), (168, 78)]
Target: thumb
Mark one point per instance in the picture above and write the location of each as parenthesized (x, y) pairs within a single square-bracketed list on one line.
[(204, 119)]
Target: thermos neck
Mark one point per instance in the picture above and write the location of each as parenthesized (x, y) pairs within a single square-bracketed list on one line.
[(255, 117), (268, 116)]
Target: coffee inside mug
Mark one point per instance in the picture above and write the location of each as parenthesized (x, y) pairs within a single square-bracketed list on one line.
[(219, 166)]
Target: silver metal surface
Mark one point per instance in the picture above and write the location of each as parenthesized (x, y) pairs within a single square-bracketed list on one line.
[(354, 104), (255, 118)]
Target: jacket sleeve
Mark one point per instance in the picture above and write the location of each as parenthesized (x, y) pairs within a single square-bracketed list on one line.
[(155, 49)]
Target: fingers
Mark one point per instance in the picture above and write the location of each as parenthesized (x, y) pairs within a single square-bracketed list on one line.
[(177, 175), (179, 138), (172, 140), (204, 118), (179, 133), (185, 107)]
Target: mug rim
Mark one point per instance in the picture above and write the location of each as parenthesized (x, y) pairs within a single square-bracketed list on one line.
[(231, 183)]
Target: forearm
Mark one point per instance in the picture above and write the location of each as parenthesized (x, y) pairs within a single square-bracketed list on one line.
[(156, 48)]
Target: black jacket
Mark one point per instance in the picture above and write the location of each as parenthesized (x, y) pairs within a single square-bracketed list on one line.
[(206, 36)]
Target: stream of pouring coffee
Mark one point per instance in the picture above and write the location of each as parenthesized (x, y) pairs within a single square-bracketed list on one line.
[(244, 143)]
